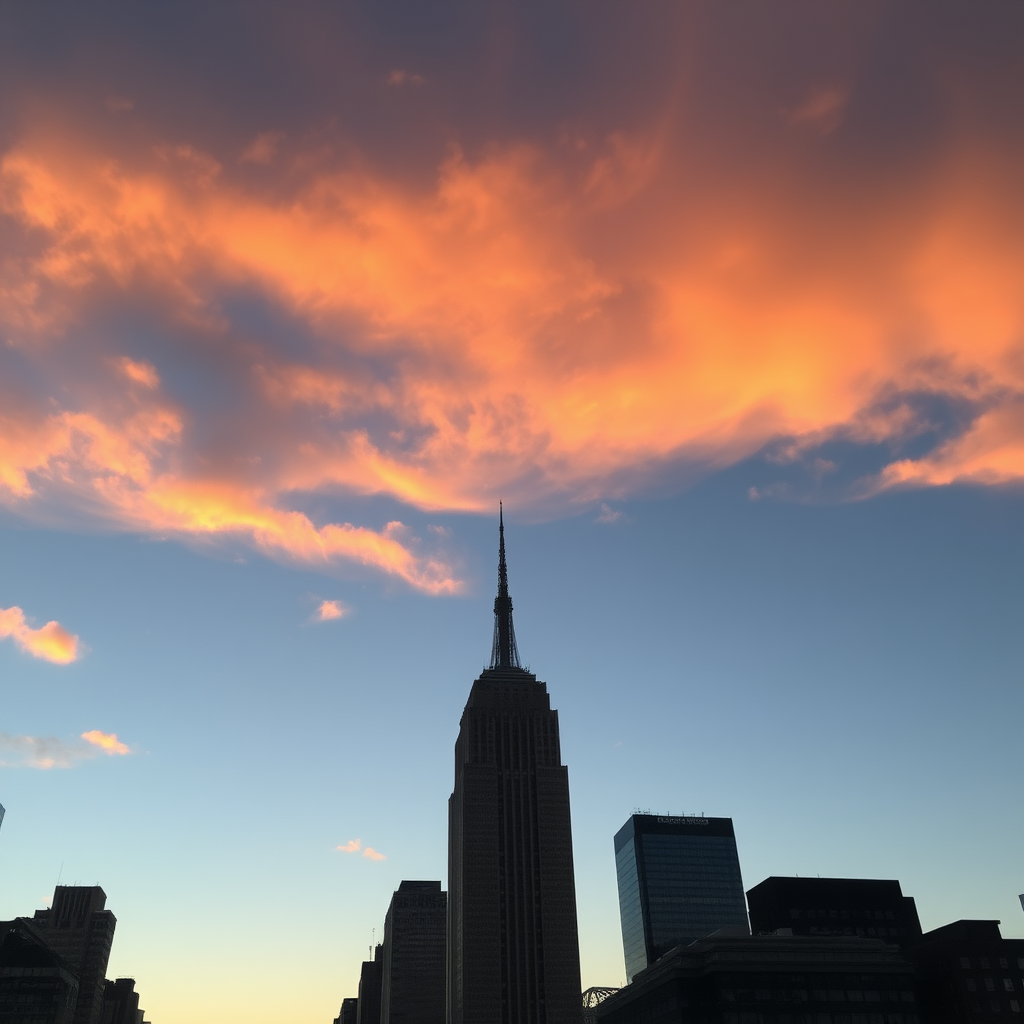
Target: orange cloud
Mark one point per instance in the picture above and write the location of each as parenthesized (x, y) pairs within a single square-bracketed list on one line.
[(991, 452), (107, 742), (560, 326), (352, 846), (372, 854), (46, 752), (139, 372), (329, 610), (51, 642), (117, 466)]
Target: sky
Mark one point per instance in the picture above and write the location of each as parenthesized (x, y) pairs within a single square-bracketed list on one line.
[(725, 302)]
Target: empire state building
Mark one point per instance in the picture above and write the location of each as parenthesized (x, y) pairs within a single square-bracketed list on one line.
[(513, 947)]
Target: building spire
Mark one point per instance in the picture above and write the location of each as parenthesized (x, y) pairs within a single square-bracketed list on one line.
[(504, 653)]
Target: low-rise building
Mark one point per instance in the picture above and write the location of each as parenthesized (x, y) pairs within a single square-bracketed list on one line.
[(968, 972), (873, 908), (733, 979)]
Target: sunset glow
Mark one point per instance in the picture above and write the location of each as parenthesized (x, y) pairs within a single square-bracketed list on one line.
[(561, 324)]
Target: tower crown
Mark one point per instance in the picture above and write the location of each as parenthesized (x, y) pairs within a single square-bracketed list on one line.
[(504, 653)]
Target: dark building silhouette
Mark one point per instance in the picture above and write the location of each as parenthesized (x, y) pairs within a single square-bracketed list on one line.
[(968, 972), (770, 980), (348, 1012), (80, 931), (370, 978), (413, 978), (592, 999), (121, 1003), (869, 907), (679, 880), (37, 986), (1, 814), (513, 949)]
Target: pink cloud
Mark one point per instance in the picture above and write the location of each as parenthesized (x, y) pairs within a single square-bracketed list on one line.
[(51, 642), (139, 372), (356, 846), (329, 610)]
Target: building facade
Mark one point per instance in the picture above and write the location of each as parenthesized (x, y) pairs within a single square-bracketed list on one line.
[(79, 928), (370, 982), (868, 907), (968, 972), (348, 1012), (513, 948), (36, 983), (413, 979), (121, 1003), (772, 979), (679, 880)]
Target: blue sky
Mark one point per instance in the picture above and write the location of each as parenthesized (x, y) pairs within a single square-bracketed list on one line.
[(842, 680)]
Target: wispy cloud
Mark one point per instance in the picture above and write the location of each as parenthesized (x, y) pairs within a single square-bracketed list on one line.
[(328, 610), (990, 452), (45, 752), (356, 846), (608, 515), (51, 642), (822, 110), (400, 77), (139, 372), (263, 148)]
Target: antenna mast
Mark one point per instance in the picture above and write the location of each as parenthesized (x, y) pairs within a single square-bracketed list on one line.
[(504, 653)]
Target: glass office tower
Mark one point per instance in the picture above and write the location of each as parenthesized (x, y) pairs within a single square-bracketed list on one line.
[(679, 880)]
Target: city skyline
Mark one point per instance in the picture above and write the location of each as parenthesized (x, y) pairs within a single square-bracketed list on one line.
[(723, 307)]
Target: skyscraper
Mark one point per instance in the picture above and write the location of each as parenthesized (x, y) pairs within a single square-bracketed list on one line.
[(679, 880), (80, 930), (413, 980), (513, 948)]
